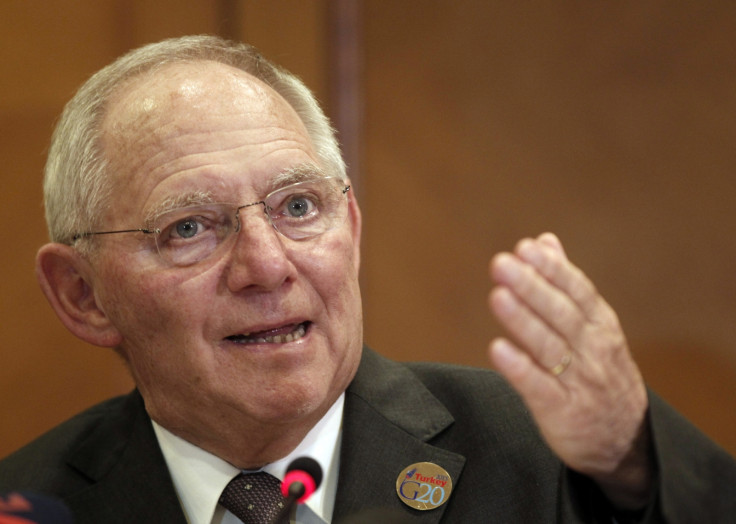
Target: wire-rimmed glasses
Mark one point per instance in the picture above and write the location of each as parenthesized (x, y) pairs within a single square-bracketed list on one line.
[(191, 234)]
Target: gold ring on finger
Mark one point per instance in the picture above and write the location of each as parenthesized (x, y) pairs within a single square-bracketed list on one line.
[(564, 363)]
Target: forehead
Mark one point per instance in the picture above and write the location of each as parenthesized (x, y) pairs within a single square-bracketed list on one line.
[(193, 122), (191, 87)]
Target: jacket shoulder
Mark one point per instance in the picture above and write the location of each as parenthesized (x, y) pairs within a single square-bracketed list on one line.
[(453, 379), (42, 465), (479, 399), (469, 402)]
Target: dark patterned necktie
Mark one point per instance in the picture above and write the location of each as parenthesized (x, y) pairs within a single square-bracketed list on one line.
[(255, 498)]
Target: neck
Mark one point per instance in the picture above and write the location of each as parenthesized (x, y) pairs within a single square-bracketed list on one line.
[(244, 443)]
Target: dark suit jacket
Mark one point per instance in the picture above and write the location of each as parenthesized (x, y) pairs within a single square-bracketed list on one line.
[(106, 464)]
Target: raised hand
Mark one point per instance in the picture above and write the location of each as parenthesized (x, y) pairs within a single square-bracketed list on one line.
[(570, 362)]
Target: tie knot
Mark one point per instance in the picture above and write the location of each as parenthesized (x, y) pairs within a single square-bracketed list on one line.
[(255, 498)]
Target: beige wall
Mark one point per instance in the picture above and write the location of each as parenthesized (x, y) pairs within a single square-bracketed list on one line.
[(609, 123)]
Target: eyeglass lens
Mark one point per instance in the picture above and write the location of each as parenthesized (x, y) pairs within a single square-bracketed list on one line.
[(299, 211)]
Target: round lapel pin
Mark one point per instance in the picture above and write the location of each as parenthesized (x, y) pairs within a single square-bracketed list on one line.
[(424, 486)]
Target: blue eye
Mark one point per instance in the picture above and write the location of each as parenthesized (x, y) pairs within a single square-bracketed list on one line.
[(298, 207), (187, 228)]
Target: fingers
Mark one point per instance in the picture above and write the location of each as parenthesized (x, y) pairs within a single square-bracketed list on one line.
[(548, 258), (539, 388), (538, 315), (553, 301), (551, 240), (525, 326)]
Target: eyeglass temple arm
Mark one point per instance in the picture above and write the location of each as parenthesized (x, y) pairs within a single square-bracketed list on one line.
[(93, 233)]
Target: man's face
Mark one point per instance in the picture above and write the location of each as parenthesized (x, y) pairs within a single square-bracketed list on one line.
[(208, 128)]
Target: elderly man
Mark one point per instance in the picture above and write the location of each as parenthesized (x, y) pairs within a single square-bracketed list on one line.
[(202, 225)]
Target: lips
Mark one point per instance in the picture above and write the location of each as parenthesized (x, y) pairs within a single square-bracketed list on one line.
[(281, 335)]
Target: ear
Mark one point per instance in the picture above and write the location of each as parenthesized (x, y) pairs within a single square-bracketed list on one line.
[(355, 225), (64, 276)]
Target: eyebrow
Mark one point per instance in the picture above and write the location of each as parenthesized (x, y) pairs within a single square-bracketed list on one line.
[(305, 172), (192, 198), (301, 173)]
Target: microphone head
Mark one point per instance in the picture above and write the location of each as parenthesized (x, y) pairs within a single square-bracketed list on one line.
[(308, 465), (22, 507), (303, 477)]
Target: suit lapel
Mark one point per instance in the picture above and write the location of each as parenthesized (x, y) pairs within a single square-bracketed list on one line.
[(129, 478), (390, 417)]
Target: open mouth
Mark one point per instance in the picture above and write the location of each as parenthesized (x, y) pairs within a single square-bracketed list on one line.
[(280, 335)]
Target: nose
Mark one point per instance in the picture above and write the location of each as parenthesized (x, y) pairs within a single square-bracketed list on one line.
[(259, 259)]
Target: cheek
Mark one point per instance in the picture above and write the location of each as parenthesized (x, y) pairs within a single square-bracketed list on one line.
[(331, 265), (161, 321), (331, 269), (148, 305)]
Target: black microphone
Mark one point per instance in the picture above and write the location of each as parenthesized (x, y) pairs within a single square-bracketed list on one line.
[(24, 507), (303, 477)]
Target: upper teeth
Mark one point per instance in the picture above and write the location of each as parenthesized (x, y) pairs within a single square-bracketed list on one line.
[(278, 339)]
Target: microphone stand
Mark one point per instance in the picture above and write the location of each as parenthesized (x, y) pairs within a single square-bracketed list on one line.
[(288, 512)]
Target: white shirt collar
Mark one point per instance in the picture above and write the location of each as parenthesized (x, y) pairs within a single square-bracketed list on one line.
[(199, 476)]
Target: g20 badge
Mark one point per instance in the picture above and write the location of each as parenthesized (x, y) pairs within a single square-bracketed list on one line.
[(424, 486)]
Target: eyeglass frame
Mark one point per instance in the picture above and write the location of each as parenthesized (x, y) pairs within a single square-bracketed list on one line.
[(266, 208)]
